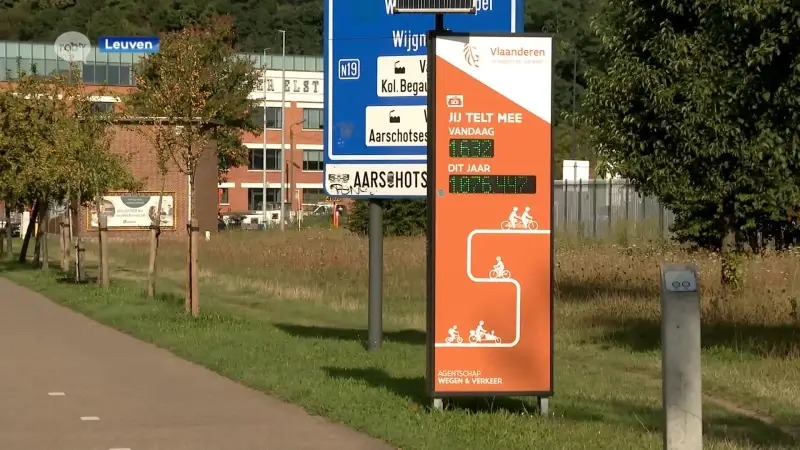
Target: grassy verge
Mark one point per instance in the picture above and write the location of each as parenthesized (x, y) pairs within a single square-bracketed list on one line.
[(285, 314)]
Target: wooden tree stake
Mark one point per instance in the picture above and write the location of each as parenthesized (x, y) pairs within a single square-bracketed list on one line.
[(103, 226)]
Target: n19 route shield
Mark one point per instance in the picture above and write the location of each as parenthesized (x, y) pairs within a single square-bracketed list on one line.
[(490, 301)]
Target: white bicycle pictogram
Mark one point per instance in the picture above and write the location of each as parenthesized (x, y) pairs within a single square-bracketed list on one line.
[(477, 337), (518, 225), (453, 339), (494, 273), (519, 221)]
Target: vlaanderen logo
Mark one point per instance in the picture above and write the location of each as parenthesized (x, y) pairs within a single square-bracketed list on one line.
[(73, 46), (471, 55)]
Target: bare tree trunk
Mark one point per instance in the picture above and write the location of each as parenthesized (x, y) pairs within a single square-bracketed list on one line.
[(9, 229), (99, 207), (37, 244), (5, 228), (79, 250), (23, 251), (151, 266), (43, 223), (64, 234), (187, 304), (70, 238), (80, 260), (102, 223), (195, 272), (155, 234), (192, 287)]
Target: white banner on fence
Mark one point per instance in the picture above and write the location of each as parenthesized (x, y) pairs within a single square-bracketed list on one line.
[(134, 211)]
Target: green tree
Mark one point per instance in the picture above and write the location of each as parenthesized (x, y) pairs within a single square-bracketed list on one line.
[(698, 106), (53, 149), (86, 169), (225, 93), (575, 52), (198, 86), (12, 158), (30, 154)]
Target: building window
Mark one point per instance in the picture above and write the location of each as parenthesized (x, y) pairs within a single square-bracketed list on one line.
[(114, 74), (254, 196), (314, 196), (111, 74), (95, 73), (257, 159), (274, 117), (312, 160), (313, 119), (102, 107), (223, 196), (125, 75)]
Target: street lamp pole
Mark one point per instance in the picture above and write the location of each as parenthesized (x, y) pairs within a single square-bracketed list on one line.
[(264, 150), (573, 142), (283, 129)]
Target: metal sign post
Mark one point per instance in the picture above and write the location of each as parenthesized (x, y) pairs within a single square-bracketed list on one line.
[(681, 372), (490, 275), (375, 293), (376, 117)]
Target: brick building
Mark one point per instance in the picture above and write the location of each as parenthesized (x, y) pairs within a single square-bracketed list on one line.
[(128, 141), (241, 192)]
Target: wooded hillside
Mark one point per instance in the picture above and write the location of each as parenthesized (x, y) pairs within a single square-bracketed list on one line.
[(256, 23)]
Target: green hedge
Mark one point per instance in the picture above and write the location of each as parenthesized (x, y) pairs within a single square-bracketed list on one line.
[(400, 217)]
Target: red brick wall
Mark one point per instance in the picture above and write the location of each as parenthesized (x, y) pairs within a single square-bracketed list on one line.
[(129, 142)]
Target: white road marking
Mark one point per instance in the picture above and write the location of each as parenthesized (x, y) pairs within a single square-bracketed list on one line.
[(56, 394), (90, 418), (120, 448)]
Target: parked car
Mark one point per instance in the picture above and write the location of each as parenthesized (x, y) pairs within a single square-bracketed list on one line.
[(16, 229)]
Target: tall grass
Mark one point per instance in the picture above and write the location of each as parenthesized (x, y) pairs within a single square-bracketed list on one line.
[(597, 284)]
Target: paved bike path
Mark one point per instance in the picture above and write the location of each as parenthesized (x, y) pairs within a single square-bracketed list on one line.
[(69, 383)]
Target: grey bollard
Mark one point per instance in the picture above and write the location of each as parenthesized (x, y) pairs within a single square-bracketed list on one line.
[(680, 357)]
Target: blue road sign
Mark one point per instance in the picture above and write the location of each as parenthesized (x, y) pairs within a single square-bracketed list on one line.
[(376, 83)]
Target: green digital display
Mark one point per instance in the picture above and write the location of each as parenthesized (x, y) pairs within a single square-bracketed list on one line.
[(472, 148), (492, 184)]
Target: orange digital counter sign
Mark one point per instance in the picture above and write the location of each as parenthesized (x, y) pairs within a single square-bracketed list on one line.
[(490, 271)]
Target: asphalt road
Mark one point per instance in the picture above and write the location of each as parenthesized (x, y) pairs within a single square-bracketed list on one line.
[(68, 383)]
